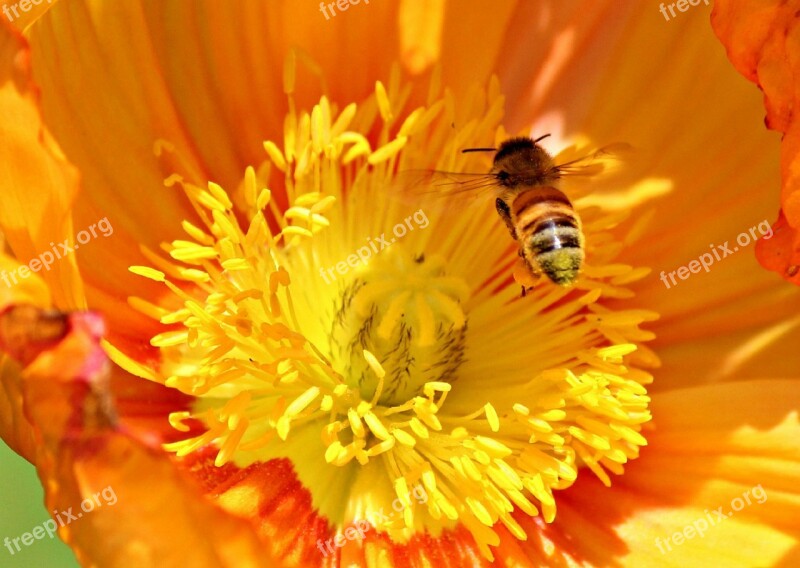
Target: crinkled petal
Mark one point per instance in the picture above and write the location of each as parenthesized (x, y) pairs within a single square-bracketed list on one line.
[(150, 513), (15, 429), (762, 38)]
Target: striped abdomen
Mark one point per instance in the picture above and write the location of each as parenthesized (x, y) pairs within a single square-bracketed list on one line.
[(549, 233)]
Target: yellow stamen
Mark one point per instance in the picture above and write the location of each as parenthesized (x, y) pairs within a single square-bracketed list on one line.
[(413, 362)]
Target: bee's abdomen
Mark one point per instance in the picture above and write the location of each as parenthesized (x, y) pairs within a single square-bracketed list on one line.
[(549, 231)]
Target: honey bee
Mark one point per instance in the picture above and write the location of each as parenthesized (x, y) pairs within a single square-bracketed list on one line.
[(539, 216)]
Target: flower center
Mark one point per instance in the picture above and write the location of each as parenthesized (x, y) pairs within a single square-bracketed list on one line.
[(407, 313), (367, 379)]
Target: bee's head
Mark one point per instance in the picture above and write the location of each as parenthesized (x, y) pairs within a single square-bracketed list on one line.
[(522, 161)]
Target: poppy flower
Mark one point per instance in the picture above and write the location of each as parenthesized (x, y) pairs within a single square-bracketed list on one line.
[(280, 349)]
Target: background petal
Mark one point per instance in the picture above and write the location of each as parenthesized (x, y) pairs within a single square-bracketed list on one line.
[(762, 39), (742, 457), (37, 184), (15, 429), (118, 502)]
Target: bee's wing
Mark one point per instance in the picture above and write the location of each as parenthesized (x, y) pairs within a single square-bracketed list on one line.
[(442, 184), (594, 163)]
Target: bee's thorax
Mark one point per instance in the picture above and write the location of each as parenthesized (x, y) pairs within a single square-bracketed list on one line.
[(520, 163)]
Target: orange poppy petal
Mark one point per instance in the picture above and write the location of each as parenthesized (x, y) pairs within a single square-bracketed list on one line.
[(37, 184), (144, 407), (271, 496), (15, 429), (135, 95), (762, 39), (40, 185), (99, 479), (30, 290), (742, 457)]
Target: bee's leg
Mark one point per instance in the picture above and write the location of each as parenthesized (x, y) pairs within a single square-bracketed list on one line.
[(505, 214), (524, 275)]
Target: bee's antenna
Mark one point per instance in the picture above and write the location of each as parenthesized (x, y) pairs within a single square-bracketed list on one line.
[(541, 138), (478, 150)]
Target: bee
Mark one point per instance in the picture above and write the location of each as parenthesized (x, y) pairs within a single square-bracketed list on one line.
[(538, 215)]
